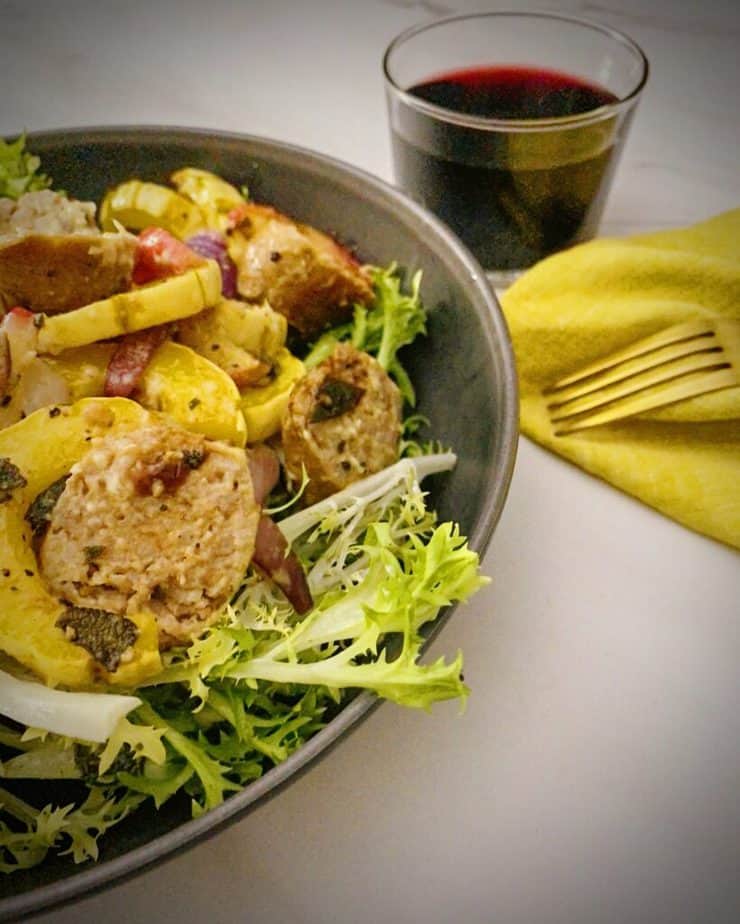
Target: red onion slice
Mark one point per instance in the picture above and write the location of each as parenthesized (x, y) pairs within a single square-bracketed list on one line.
[(272, 555), (212, 245), (264, 468), (130, 359)]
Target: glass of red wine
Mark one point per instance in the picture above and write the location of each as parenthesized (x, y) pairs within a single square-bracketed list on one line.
[(509, 127)]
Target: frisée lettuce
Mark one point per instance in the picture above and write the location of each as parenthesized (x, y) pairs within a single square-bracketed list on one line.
[(19, 169), (257, 685), (394, 320)]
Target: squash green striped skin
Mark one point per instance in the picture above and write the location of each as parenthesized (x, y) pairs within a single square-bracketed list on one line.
[(137, 204), (157, 303)]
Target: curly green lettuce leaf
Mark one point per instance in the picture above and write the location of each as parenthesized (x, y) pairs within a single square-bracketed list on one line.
[(33, 833), (393, 320), (262, 682), (141, 741), (412, 444), (228, 742), (404, 583), (378, 566), (212, 774), (19, 169)]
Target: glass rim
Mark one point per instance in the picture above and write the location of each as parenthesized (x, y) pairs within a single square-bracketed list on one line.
[(598, 114)]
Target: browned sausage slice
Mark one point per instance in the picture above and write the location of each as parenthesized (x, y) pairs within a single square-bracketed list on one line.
[(343, 422), (302, 272)]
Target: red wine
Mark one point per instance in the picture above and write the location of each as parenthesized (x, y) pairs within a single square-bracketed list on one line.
[(512, 196), (513, 93)]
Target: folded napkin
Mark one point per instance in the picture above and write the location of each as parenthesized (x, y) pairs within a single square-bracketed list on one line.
[(580, 305)]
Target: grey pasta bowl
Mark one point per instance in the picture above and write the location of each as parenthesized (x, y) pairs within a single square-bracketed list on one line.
[(463, 372)]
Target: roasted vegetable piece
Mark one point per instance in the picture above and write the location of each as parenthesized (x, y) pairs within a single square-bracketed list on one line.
[(157, 303), (243, 340), (273, 556), (213, 245), (19, 334), (29, 381), (177, 382), (159, 255), (272, 552), (264, 469), (83, 368), (302, 272), (130, 359), (200, 200), (215, 196), (194, 392), (264, 406), (38, 386), (138, 205), (44, 447)]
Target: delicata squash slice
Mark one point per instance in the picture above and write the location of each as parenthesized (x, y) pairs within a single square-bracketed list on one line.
[(156, 303), (264, 406), (137, 205), (177, 382), (190, 389), (200, 200), (34, 455)]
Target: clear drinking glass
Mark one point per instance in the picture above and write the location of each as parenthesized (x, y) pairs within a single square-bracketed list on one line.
[(509, 127)]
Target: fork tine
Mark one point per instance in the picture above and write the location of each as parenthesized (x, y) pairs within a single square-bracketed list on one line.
[(669, 393), (705, 344), (666, 337), (650, 378)]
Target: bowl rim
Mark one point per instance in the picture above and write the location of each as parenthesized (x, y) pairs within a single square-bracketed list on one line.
[(166, 846)]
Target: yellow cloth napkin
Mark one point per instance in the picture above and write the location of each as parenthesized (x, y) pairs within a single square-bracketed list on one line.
[(580, 305)]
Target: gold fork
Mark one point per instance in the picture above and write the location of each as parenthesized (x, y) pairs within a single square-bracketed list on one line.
[(680, 362)]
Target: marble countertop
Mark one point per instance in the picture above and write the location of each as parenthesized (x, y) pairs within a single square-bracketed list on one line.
[(595, 774)]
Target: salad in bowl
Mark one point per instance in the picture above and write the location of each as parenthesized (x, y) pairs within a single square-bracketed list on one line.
[(212, 525)]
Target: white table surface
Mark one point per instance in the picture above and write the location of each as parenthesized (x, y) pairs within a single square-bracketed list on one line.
[(595, 776)]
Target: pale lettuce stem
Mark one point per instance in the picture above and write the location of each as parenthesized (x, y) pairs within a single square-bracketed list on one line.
[(17, 807), (368, 489), (15, 740), (334, 669)]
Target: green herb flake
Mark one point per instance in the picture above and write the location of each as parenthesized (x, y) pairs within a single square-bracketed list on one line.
[(10, 479), (334, 398), (105, 635), (38, 515), (92, 552), (193, 458)]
